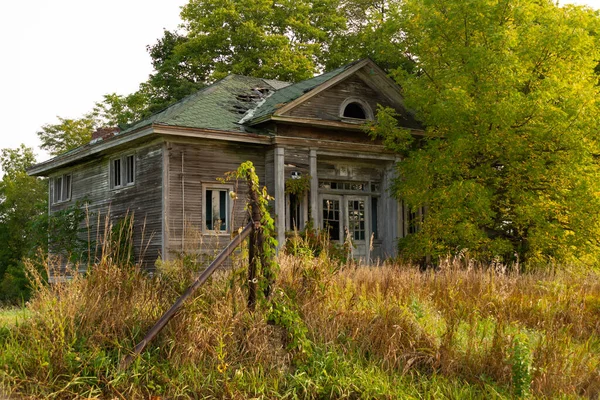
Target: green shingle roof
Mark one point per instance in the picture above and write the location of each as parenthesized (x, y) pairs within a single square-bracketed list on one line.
[(222, 105), (219, 106), (290, 93)]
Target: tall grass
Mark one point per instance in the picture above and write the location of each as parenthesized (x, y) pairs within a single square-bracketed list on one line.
[(330, 331)]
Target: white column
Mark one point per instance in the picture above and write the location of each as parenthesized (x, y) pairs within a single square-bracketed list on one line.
[(280, 194), (314, 189)]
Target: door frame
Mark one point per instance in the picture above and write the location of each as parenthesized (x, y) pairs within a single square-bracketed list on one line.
[(343, 200)]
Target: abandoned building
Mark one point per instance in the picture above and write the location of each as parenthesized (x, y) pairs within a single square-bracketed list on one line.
[(164, 170)]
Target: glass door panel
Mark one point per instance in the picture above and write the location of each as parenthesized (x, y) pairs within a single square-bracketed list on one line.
[(356, 219), (332, 214)]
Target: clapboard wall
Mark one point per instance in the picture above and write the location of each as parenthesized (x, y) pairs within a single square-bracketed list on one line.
[(105, 206), (190, 165), (326, 105)]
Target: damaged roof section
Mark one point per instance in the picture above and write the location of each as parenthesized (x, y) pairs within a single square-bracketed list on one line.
[(219, 106), (290, 93)]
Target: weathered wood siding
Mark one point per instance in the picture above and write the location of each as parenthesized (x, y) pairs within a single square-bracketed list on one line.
[(190, 165), (91, 186), (326, 105), (346, 136)]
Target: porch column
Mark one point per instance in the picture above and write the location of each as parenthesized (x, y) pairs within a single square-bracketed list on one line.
[(390, 214), (314, 189), (280, 194)]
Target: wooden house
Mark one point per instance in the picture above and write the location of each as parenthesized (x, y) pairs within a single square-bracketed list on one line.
[(165, 169)]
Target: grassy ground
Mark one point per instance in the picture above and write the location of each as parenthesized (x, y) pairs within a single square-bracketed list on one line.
[(328, 331), (12, 316)]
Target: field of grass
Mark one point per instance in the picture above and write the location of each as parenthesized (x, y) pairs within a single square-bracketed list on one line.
[(12, 316), (328, 331)]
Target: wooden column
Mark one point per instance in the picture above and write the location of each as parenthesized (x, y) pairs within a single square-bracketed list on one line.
[(390, 213), (280, 194), (314, 188)]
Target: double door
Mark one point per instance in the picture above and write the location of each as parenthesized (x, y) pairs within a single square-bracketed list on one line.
[(347, 219)]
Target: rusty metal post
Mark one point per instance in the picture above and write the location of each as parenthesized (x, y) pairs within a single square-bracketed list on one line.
[(162, 322)]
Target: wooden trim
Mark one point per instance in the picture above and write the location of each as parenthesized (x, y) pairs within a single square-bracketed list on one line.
[(334, 145), (229, 136), (165, 197), (320, 123), (357, 155), (387, 86), (279, 171), (229, 187), (323, 86), (88, 150), (61, 160), (314, 188)]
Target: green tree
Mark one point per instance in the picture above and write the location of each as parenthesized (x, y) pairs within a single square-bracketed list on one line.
[(175, 75), (118, 110), (509, 96), (68, 134), (23, 219), (281, 39), (285, 40)]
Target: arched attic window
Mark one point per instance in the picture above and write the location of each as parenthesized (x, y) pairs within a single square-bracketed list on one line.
[(355, 109)]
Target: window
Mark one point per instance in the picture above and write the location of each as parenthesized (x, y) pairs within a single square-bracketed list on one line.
[(355, 109), (217, 208), (331, 218), (374, 217), (129, 169), (122, 171), (414, 217), (340, 185), (356, 219), (61, 188)]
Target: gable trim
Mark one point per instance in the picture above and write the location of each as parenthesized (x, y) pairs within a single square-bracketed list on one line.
[(348, 126), (323, 86)]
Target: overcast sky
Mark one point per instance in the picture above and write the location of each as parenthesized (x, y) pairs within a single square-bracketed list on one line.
[(59, 57)]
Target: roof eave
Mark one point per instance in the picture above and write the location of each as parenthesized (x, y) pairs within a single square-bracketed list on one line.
[(46, 167)]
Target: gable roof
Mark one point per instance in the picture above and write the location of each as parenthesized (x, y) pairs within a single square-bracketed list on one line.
[(283, 100), (290, 93), (235, 103), (218, 106)]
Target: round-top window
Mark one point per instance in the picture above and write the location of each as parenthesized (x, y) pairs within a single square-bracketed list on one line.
[(354, 108)]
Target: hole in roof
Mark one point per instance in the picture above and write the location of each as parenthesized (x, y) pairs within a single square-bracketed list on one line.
[(355, 110)]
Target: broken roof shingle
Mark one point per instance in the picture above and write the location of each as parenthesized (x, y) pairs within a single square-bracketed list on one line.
[(218, 106), (290, 93)]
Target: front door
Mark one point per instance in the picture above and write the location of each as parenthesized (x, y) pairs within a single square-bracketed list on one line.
[(346, 218)]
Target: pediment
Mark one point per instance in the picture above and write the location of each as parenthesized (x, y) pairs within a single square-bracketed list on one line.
[(364, 87)]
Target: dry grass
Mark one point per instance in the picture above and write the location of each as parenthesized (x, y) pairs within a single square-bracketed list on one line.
[(329, 331)]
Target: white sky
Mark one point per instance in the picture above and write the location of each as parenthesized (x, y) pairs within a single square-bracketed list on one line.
[(58, 57)]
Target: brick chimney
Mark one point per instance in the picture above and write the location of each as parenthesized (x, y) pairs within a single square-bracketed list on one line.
[(105, 133)]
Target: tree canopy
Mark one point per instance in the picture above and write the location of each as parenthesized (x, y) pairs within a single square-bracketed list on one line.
[(509, 167), (280, 39), (23, 206)]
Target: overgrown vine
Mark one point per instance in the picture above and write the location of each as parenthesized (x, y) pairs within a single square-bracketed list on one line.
[(298, 186), (262, 245)]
